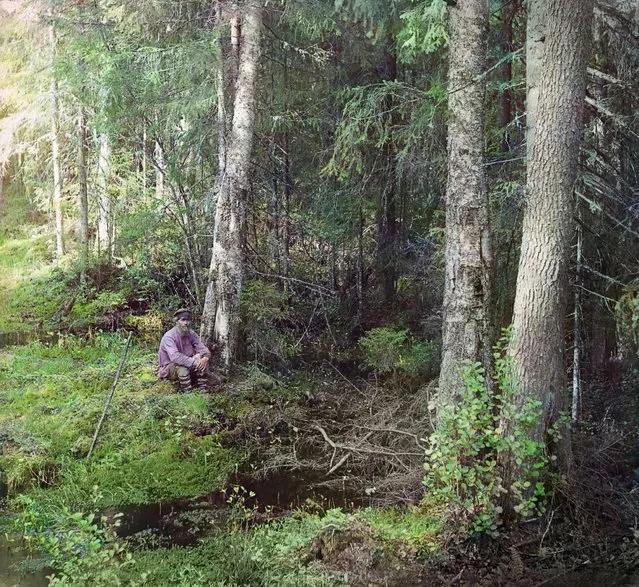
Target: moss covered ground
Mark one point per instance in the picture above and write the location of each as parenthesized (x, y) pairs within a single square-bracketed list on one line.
[(52, 394), (61, 508)]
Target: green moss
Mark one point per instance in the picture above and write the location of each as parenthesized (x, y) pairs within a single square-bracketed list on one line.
[(52, 396), (268, 555), (175, 471), (415, 527)]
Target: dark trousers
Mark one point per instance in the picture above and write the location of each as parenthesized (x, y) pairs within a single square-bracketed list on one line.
[(186, 377)]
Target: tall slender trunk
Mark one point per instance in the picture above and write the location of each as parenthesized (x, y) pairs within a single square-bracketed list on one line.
[(145, 164), (158, 155), (360, 268), (468, 286), (221, 315), (387, 211), (55, 155), (3, 173), (542, 282), (577, 320), (83, 206), (103, 237), (288, 188)]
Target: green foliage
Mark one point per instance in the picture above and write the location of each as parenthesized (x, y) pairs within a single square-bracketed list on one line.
[(627, 319), (424, 30), (80, 547), (472, 442), (388, 351), (147, 451), (415, 527)]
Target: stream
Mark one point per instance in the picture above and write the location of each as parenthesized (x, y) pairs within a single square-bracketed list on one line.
[(12, 558)]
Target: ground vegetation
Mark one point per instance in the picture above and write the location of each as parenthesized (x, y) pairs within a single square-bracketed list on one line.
[(305, 177)]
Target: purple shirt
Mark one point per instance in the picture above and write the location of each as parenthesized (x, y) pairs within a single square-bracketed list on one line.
[(179, 349)]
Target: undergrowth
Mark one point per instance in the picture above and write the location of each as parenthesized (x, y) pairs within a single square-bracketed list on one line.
[(52, 397)]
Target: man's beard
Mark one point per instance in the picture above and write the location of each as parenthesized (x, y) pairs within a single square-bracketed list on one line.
[(183, 329)]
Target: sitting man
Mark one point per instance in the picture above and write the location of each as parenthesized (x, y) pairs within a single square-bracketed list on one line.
[(182, 357)]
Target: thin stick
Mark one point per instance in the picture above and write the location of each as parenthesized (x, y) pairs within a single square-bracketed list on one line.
[(110, 397)]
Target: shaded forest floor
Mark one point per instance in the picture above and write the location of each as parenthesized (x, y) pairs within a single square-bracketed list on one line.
[(310, 476), (312, 479)]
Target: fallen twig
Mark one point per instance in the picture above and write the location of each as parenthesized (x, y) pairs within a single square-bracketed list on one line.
[(110, 396)]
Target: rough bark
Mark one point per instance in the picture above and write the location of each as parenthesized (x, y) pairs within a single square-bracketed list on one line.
[(542, 283), (221, 314), (535, 37), (468, 257)]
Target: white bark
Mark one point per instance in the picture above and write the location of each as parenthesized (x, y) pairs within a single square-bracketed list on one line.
[(83, 206), (103, 237), (55, 156), (221, 315)]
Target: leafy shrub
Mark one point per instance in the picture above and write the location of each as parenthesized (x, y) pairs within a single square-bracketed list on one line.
[(80, 547), (388, 351), (473, 438)]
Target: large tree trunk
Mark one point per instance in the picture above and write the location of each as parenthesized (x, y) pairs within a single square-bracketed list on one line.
[(83, 206), (468, 258), (221, 314), (542, 282)]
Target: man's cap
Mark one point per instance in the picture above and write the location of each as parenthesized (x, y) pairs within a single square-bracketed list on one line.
[(182, 313)]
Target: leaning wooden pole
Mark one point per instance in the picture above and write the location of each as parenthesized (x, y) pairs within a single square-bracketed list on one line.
[(110, 396)]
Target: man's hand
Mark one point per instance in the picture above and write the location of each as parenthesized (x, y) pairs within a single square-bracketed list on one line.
[(201, 363)]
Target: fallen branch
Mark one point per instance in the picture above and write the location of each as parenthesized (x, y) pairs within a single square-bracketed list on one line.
[(360, 449), (110, 396)]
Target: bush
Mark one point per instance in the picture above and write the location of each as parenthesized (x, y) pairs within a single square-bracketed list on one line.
[(472, 440), (392, 352)]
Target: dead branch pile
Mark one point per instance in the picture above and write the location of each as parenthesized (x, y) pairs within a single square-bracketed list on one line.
[(359, 438)]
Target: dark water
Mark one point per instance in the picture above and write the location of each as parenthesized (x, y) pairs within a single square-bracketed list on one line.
[(11, 575), (15, 338), (24, 337), (184, 522)]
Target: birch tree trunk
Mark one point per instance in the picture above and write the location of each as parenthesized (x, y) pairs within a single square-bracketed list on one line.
[(468, 258), (103, 239), (3, 172), (158, 155), (83, 205), (542, 282), (221, 314)]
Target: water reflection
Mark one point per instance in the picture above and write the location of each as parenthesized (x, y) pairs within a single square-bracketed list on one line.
[(13, 560)]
